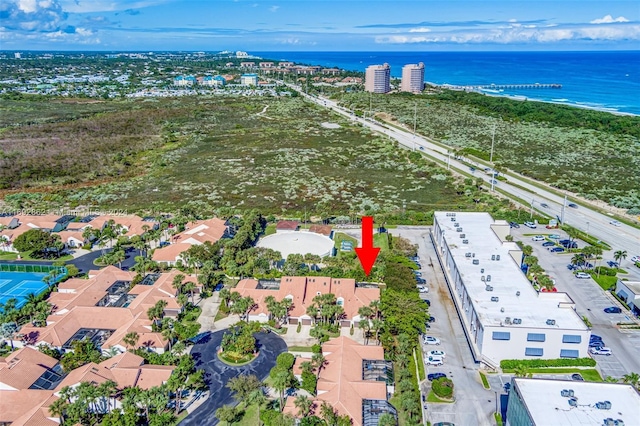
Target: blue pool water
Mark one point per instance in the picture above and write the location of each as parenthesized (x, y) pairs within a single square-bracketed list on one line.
[(19, 285)]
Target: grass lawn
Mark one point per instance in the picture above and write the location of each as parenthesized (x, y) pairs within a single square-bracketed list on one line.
[(381, 240), (604, 281), (589, 374), (220, 315), (485, 382), (432, 397), (249, 417), (270, 229), (419, 355), (299, 348), (5, 255)]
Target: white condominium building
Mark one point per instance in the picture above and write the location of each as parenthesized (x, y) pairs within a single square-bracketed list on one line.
[(377, 78), (413, 78), (503, 316)]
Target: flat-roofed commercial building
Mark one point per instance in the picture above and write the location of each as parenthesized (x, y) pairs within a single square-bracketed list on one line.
[(503, 316), (543, 402), (377, 78), (413, 78)]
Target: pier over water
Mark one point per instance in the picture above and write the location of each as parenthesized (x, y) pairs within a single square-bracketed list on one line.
[(504, 86)]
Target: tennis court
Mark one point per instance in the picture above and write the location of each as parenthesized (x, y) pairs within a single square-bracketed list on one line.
[(18, 284)]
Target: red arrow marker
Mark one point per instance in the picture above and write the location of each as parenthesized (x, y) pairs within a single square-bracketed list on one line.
[(367, 254)]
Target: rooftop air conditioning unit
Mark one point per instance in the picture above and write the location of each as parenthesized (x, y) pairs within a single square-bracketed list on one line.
[(565, 393), (517, 320), (465, 241), (497, 257), (453, 219), (476, 262), (463, 235), (573, 402), (507, 320), (604, 405), (456, 224), (518, 293), (493, 257), (488, 288), (495, 299), (482, 270), (473, 255), (458, 229), (551, 322), (488, 277), (467, 255), (482, 278)]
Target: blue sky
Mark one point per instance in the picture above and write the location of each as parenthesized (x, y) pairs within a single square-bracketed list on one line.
[(323, 25)]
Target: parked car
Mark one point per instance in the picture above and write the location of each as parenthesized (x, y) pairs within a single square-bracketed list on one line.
[(577, 377), (219, 287), (554, 236), (435, 376), (613, 264), (573, 205), (600, 351), (613, 310), (434, 361), (428, 302), (545, 205), (556, 250), (431, 318), (507, 387), (596, 344), (571, 267), (423, 289), (418, 265), (570, 244), (164, 243), (418, 273), (420, 280), (615, 223), (548, 244), (437, 353), (538, 238), (513, 225), (430, 340), (635, 259), (530, 225), (582, 275), (415, 258), (595, 337)]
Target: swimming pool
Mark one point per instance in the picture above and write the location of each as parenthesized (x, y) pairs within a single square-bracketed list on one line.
[(19, 284)]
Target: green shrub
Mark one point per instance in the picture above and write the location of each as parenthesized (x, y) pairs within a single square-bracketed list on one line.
[(299, 328), (285, 360), (443, 387), (603, 270), (309, 382), (510, 364), (316, 349)]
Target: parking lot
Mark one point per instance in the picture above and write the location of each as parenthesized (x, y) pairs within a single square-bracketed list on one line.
[(474, 405), (591, 301)]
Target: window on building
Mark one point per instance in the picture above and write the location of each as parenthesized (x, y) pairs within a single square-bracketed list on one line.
[(536, 337), (501, 335), (533, 351), (569, 353), (571, 338)]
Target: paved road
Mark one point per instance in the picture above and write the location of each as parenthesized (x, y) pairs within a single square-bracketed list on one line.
[(217, 373), (590, 301), (85, 263), (623, 238), (473, 404)]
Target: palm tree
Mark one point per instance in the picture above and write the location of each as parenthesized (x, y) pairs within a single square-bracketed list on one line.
[(303, 403), (632, 378), (620, 255), (522, 370), (281, 382), (319, 361), (610, 379), (259, 398)]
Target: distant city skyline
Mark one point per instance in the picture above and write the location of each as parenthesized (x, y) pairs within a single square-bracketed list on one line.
[(320, 25)]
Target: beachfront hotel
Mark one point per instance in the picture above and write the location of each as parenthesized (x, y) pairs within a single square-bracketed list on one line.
[(413, 78), (377, 78), (503, 316)]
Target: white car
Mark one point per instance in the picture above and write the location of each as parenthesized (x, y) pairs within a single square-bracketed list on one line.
[(437, 353), (430, 340), (615, 223), (530, 225), (583, 275), (635, 259), (600, 351), (433, 361), (423, 289), (538, 238)]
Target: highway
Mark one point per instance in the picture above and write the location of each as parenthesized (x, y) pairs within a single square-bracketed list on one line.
[(623, 237)]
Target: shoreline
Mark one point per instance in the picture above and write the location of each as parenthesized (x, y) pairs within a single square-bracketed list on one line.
[(523, 98)]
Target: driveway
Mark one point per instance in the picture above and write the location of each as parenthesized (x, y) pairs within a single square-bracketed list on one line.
[(217, 373)]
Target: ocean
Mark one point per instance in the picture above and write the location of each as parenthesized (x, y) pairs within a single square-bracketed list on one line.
[(607, 81)]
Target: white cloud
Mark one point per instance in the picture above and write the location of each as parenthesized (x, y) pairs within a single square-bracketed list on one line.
[(419, 30), (609, 20), (32, 15), (274, 8)]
